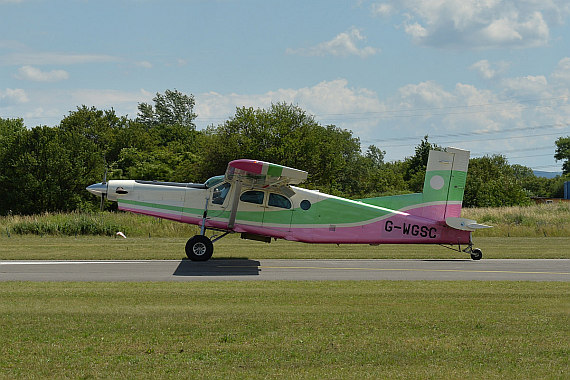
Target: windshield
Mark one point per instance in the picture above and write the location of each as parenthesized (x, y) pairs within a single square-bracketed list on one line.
[(214, 181)]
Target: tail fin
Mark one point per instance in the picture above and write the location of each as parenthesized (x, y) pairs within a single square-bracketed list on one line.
[(444, 183)]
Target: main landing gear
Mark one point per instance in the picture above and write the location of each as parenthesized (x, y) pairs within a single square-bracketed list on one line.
[(199, 248)]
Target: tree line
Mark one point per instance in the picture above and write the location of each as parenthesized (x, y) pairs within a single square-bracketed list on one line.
[(45, 169)]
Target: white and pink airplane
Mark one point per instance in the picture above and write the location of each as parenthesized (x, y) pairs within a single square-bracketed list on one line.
[(260, 201)]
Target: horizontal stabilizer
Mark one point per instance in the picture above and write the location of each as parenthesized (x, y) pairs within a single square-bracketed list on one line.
[(465, 224)]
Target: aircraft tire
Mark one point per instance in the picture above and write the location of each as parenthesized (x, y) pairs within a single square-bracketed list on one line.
[(199, 248), (476, 254)]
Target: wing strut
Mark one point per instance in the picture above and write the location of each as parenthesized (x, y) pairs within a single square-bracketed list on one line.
[(203, 228), (235, 204)]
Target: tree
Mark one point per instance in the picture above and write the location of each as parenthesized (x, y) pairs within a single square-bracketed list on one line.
[(492, 182), (415, 166), (171, 108), (48, 170), (563, 153), (375, 156), (99, 126)]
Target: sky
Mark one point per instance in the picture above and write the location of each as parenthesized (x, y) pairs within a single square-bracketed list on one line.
[(489, 76)]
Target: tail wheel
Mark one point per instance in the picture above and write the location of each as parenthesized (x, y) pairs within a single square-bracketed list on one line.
[(476, 254), (199, 248)]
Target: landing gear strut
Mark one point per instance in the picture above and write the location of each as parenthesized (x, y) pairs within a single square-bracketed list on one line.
[(476, 253)]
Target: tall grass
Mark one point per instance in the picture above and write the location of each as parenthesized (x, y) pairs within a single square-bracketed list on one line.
[(529, 221), (546, 220), (94, 224)]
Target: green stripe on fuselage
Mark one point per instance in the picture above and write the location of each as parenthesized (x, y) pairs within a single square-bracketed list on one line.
[(154, 205), (395, 202), (328, 211)]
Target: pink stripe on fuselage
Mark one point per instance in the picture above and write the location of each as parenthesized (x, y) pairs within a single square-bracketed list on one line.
[(397, 229)]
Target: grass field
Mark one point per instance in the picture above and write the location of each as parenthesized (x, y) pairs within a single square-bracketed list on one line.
[(109, 248), (545, 220), (407, 330)]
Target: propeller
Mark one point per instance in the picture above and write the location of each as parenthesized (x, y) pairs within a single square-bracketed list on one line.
[(103, 195), (100, 189)]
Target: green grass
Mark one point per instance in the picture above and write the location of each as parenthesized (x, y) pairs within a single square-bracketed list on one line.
[(92, 224), (544, 220), (110, 248), (407, 330)]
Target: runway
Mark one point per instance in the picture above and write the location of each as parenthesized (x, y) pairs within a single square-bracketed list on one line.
[(294, 270)]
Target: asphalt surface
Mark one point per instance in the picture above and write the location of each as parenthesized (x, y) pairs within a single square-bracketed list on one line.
[(295, 270)]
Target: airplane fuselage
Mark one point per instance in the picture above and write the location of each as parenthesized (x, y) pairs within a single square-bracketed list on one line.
[(297, 215)]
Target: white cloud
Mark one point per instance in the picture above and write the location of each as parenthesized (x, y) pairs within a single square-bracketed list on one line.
[(144, 64), (49, 106), (562, 71), (477, 24), (527, 86), (421, 95), (327, 100), (36, 75), (49, 58), (343, 45), (489, 70), (11, 96), (111, 99), (382, 9)]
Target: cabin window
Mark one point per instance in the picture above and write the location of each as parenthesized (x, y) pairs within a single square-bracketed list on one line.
[(220, 193), (276, 200), (252, 196)]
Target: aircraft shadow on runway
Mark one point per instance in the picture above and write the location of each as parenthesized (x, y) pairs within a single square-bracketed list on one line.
[(235, 267)]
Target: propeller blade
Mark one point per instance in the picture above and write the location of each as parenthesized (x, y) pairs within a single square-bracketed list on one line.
[(99, 189)]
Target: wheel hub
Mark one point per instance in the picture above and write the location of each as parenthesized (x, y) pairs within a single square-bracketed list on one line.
[(199, 249)]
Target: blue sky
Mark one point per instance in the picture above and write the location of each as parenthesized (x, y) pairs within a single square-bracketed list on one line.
[(490, 76)]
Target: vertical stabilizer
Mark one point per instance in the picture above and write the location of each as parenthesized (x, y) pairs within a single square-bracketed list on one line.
[(444, 183)]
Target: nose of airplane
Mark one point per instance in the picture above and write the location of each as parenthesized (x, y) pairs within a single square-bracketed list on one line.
[(98, 188)]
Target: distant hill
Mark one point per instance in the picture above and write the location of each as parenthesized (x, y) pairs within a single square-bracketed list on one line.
[(540, 173)]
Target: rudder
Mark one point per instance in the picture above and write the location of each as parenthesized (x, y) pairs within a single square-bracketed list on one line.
[(444, 184)]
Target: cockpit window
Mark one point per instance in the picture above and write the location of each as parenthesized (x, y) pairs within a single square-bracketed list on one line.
[(277, 200), (220, 193), (214, 181), (252, 196)]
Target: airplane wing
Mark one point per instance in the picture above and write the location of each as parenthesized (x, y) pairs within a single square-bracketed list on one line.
[(264, 174)]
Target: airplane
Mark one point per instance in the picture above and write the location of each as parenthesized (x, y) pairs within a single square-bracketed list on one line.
[(261, 201)]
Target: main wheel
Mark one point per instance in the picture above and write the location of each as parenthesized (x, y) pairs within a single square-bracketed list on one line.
[(476, 254), (199, 248)]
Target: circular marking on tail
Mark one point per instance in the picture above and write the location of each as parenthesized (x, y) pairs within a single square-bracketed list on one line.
[(436, 182)]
